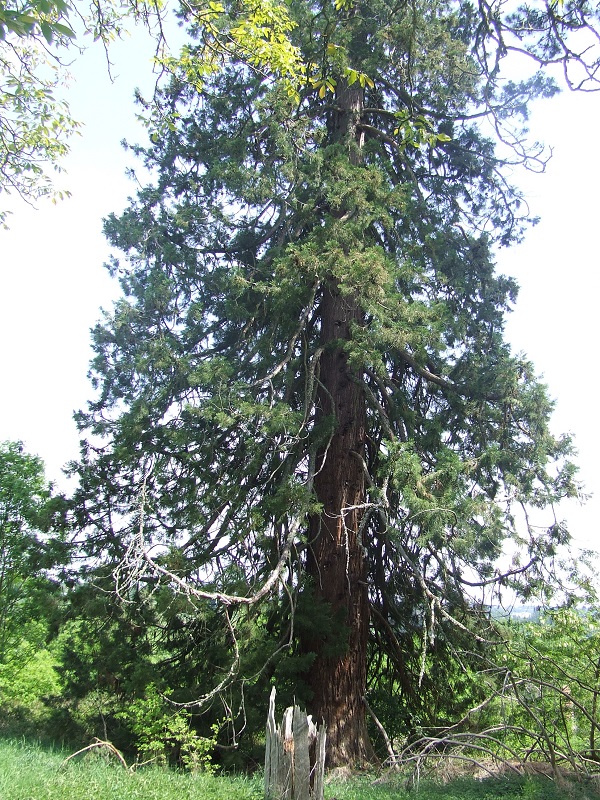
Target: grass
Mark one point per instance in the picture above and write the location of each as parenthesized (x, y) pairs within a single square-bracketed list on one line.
[(31, 772), (505, 788)]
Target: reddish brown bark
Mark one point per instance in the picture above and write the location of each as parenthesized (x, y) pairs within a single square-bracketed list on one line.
[(336, 557), (336, 560)]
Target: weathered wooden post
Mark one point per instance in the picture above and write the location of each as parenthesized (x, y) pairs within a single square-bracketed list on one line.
[(294, 756)]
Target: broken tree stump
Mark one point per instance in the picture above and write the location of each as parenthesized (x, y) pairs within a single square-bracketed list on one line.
[(294, 756)]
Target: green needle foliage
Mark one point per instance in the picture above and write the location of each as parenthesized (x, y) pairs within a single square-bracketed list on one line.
[(310, 442)]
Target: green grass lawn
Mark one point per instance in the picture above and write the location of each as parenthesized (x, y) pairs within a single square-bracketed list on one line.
[(28, 772), (31, 772)]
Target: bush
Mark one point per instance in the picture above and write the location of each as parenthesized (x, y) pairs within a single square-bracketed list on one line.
[(165, 735)]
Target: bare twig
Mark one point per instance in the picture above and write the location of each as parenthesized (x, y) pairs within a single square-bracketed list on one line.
[(98, 744), (383, 732)]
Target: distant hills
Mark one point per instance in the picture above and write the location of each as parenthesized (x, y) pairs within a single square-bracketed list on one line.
[(526, 613)]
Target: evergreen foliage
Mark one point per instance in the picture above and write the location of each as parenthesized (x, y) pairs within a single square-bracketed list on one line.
[(310, 442)]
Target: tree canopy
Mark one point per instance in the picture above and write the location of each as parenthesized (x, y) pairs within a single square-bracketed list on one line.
[(38, 40), (309, 432), (28, 511), (37, 36)]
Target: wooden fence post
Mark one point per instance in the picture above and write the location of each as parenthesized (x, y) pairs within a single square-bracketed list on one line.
[(294, 756)]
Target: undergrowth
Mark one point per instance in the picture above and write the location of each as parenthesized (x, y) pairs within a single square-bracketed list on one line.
[(32, 772)]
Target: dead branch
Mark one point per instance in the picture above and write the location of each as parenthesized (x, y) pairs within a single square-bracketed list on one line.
[(99, 744), (382, 730)]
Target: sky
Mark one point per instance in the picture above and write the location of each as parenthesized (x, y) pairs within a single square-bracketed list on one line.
[(53, 284)]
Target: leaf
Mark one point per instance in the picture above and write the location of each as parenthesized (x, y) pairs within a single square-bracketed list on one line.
[(64, 30), (47, 31)]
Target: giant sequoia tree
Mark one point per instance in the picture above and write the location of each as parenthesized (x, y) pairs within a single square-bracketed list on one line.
[(308, 423)]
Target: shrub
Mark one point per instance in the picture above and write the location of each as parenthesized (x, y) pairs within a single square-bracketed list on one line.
[(164, 734)]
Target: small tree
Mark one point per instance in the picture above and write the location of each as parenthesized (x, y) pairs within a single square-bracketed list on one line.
[(31, 545)]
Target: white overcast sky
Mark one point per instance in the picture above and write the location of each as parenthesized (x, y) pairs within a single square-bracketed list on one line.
[(52, 281)]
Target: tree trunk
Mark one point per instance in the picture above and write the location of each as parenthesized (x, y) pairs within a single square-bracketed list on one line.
[(336, 557), (335, 560)]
